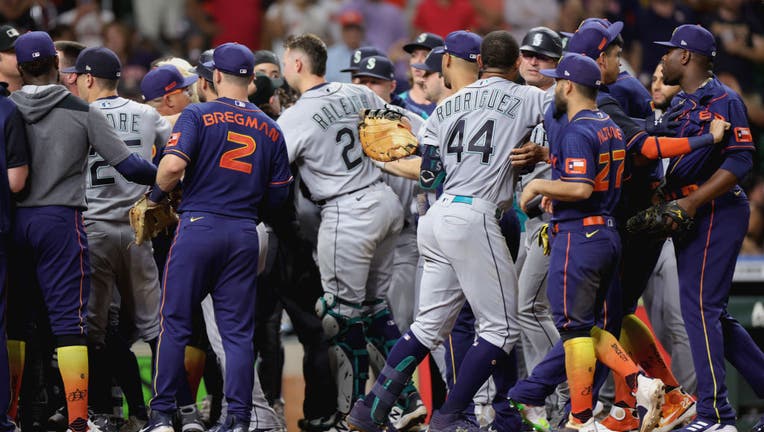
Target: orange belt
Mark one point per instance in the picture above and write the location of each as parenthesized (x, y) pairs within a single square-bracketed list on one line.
[(587, 221)]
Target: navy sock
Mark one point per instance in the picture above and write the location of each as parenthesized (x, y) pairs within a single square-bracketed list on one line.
[(478, 364)]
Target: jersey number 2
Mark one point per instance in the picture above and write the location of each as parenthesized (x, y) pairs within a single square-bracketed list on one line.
[(345, 136), (230, 159)]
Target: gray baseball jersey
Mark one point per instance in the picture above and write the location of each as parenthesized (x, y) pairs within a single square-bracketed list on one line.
[(140, 126), (476, 129), (330, 167)]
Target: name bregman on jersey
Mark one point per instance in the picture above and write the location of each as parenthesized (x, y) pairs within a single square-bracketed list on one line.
[(335, 110), (478, 99)]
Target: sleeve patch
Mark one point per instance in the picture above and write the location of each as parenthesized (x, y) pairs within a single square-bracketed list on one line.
[(173, 140), (575, 166), (743, 135)]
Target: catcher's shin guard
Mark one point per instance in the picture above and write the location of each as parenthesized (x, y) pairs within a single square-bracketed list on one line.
[(381, 335)]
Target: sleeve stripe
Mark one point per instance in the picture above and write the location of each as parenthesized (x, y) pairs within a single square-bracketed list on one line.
[(746, 147), (178, 153), (281, 183), (577, 179)]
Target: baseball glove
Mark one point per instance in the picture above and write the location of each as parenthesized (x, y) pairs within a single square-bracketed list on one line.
[(661, 221), (148, 221), (386, 135)]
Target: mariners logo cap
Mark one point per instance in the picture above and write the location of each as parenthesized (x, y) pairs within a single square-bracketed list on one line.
[(233, 58), (463, 44), (692, 37), (360, 54), (432, 63), (578, 68), (593, 36), (162, 80), (376, 67), (8, 36), (426, 41), (33, 46), (97, 61), (544, 41), (201, 70)]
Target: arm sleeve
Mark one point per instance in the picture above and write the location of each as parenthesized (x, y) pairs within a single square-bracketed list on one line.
[(104, 139), (431, 173), (578, 159), (16, 147), (631, 129), (291, 137), (739, 147), (183, 141), (655, 147), (137, 169), (281, 175)]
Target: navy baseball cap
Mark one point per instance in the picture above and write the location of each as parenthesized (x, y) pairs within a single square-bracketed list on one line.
[(8, 36), (376, 67), (265, 56), (34, 46), (426, 41), (162, 80), (266, 86), (100, 62), (360, 54), (233, 58), (593, 36), (463, 44), (577, 68), (432, 63), (202, 70), (544, 41), (692, 37)]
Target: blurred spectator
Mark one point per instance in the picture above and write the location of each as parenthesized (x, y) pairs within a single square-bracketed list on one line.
[(157, 18), (338, 55), (739, 41), (9, 73), (523, 15), (17, 13), (386, 25), (661, 17), (62, 32), (291, 17), (444, 16), (87, 20), (753, 244)]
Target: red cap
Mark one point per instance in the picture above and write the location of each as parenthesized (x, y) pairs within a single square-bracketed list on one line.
[(351, 17)]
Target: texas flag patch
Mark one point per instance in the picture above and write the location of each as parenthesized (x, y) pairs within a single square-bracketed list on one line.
[(743, 135), (173, 141), (575, 166)]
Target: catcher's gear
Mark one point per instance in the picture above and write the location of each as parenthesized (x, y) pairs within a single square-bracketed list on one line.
[(148, 221), (386, 135), (661, 221)]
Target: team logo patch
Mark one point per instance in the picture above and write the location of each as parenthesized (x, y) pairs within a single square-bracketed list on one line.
[(743, 135), (170, 86), (575, 166), (173, 141)]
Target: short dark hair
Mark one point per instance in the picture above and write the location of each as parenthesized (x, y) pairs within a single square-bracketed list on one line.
[(236, 79), (70, 50), (586, 91), (313, 47), (500, 50), (617, 42), (106, 84), (39, 67)]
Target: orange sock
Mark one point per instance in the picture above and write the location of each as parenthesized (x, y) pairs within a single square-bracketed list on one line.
[(644, 349), (73, 365), (580, 361), (16, 359), (193, 361), (612, 354), (623, 395)]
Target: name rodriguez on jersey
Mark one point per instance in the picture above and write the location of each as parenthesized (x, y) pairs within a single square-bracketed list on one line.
[(482, 98)]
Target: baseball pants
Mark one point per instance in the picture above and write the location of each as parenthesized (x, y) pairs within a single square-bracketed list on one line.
[(5, 378), (401, 293), (215, 255), (706, 263)]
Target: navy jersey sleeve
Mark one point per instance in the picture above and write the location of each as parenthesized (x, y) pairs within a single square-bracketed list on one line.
[(633, 132), (280, 174), (16, 151), (577, 161), (184, 139), (739, 146)]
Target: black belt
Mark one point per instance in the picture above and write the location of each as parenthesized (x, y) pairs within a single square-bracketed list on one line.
[(324, 201)]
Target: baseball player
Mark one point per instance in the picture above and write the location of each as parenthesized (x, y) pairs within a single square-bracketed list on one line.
[(167, 90), (360, 216), (586, 178), (9, 73), (223, 186), (116, 263), (68, 51), (49, 238), (14, 169), (704, 184), (414, 99), (469, 136)]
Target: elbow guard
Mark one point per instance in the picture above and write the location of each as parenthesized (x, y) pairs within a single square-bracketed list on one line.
[(431, 174)]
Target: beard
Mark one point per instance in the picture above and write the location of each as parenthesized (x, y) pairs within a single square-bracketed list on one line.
[(560, 106), (668, 80)]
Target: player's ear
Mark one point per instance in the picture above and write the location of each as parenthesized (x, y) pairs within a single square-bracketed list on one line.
[(686, 56), (217, 76), (480, 61), (393, 86)]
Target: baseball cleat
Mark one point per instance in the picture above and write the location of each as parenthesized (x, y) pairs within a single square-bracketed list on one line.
[(598, 408), (103, 422), (133, 424), (759, 426), (533, 416), (621, 419), (455, 422), (360, 419), (317, 424), (158, 422), (707, 426), (591, 425), (409, 416), (190, 419), (678, 408), (649, 395)]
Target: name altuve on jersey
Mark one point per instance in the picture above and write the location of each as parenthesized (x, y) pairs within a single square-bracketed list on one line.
[(480, 98), (335, 110)]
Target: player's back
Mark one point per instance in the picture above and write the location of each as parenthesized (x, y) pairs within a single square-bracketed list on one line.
[(321, 132), (476, 129), (230, 147), (140, 126)]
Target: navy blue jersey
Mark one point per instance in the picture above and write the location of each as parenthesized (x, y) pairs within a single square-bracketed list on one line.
[(589, 149), (423, 110), (631, 95), (13, 154), (712, 100), (234, 153)]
